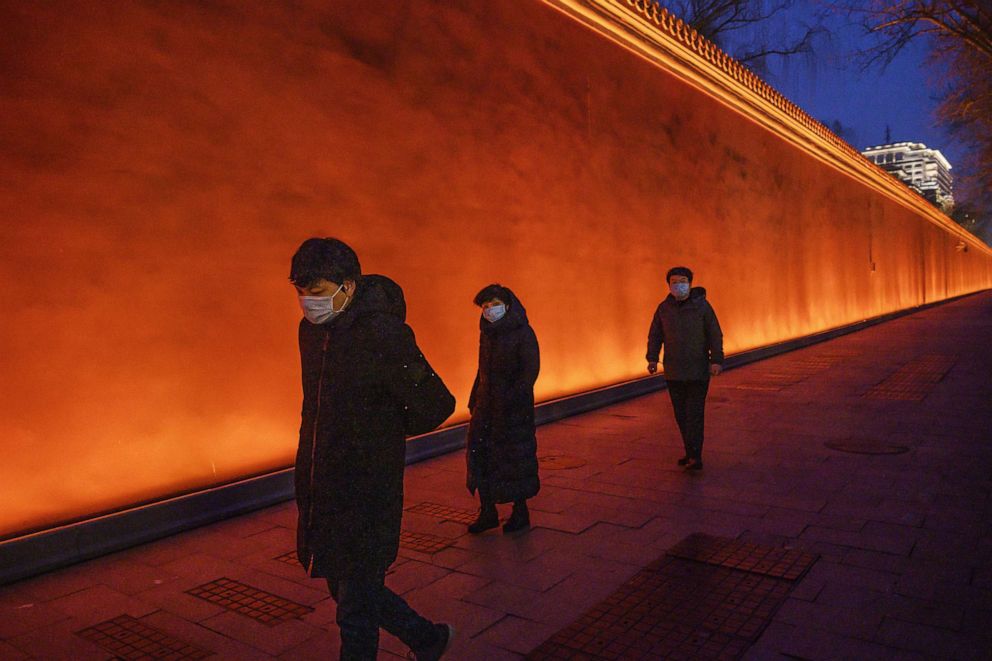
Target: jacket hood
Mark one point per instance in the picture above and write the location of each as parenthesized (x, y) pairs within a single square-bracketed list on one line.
[(516, 315), (377, 294)]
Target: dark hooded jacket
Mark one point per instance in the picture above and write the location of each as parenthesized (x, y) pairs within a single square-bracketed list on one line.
[(502, 445), (351, 456), (691, 335)]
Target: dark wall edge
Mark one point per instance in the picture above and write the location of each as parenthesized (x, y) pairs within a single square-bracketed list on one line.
[(44, 551)]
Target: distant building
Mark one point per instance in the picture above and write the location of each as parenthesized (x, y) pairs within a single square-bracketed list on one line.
[(924, 170)]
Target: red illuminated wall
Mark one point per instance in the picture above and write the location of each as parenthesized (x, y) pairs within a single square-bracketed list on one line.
[(159, 163)]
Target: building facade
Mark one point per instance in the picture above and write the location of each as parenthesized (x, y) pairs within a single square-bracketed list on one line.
[(924, 170)]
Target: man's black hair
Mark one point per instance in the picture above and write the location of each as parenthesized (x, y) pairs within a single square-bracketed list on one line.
[(330, 259), (678, 270), (489, 292)]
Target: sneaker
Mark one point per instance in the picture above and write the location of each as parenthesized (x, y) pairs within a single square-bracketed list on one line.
[(445, 634), (487, 520)]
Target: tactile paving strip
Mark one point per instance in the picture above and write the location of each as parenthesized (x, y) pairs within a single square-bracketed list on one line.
[(259, 605), (288, 558), (789, 373), (913, 381), (424, 542), (789, 564), (444, 512), (673, 609), (127, 638), (707, 607), (866, 446)]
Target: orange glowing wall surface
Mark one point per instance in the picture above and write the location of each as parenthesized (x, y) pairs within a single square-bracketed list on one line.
[(160, 162)]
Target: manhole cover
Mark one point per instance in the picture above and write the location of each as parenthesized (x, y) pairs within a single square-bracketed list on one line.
[(866, 447), (557, 462)]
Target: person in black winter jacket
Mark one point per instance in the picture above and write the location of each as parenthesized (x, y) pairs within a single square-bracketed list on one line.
[(502, 445), (686, 325), (354, 348)]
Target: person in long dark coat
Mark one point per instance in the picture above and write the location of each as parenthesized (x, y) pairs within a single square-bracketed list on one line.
[(502, 445), (349, 465)]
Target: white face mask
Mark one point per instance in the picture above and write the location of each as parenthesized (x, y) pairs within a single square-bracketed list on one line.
[(320, 309), (494, 313), (680, 290)]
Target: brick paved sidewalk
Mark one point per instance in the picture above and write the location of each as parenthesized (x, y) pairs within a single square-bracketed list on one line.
[(871, 451)]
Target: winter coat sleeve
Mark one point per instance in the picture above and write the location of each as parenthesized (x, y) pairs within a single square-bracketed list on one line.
[(530, 359), (471, 397), (656, 337), (714, 336)]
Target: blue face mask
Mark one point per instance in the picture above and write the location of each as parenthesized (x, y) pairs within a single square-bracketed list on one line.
[(494, 313), (320, 309), (680, 290)]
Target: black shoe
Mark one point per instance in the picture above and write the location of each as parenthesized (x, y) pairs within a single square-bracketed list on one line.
[(487, 520), (684, 460), (694, 465), (519, 520), (433, 652)]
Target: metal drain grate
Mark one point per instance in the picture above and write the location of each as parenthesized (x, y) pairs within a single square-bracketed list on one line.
[(557, 462), (259, 605), (127, 638), (789, 564), (913, 381), (424, 542), (674, 608), (444, 512), (288, 558)]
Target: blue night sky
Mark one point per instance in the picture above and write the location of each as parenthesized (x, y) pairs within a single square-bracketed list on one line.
[(831, 86)]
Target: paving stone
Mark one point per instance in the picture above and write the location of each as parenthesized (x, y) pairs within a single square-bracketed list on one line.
[(454, 585), (412, 575), (56, 584), (324, 646), (931, 613), (57, 642), (916, 637), (20, 615), (272, 640), (516, 634), (11, 653), (99, 603), (862, 622), (834, 573), (224, 645), (173, 598)]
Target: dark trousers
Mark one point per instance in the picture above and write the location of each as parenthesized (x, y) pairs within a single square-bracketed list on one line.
[(364, 605), (689, 402)]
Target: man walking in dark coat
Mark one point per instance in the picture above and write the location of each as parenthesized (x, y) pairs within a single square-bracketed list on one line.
[(356, 352), (686, 325), (502, 444)]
